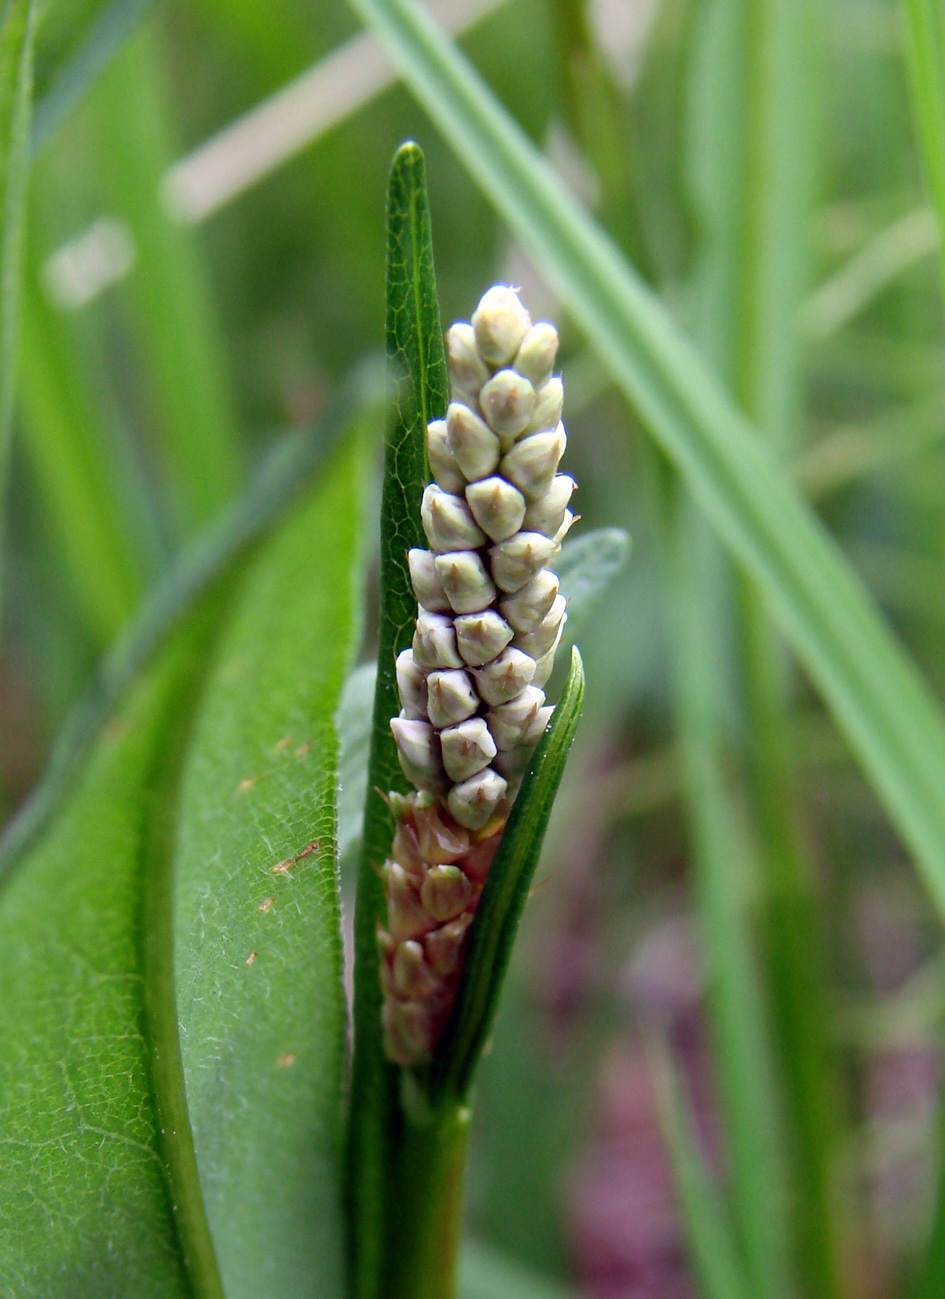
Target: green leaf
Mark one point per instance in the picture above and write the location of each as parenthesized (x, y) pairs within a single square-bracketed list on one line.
[(893, 722), (17, 39), (417, 365), (503, 899), (925, 58), (171, 1110)]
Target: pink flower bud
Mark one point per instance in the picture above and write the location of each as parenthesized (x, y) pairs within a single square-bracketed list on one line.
[(448, 521), (474, 801), (466, 748), (467, 369), (516, 561), (443, 464), (446, 892), (451, 698), (444, 946), (425, 581), (482, 636), (536, 355), (533, 462), (412, 685), (505, 677), (508, 402)]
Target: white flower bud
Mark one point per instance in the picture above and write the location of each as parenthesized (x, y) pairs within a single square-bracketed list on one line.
[(412, 686), (513, 763), (408, 1031), (448, 521), (443, 464), (497, 507), (536, 355), (500, 323), (441, 841), (549, 404), (446, 891), (516, 561), (509, 722), (481, 636), (467, 369), (419, 750), (533, 462), (406, 915), (546, 515), (508, 402), (413, 977), (451, 698), (474, 445), (505, 677), (529, 605), (544, 665), (466, 581), (473, 802), (467, 748), (539, 642), (444, 946), (434, 642), (425, 581)]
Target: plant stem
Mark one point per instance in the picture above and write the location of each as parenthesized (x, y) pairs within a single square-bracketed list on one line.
[(426, 1195)]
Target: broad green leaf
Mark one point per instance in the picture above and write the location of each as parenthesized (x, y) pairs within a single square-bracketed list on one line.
[(503, 899), (417, 365), (894, 724), (84, 1197), (172, 1108), (17, 39), (925, 58), (255, 910), (170, 297)]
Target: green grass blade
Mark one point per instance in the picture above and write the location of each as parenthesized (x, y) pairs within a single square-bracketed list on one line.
[(66, 452), (738, 1014), (754, 156), (503, 899), (417, 365), (708, 1229), (104, 36), (17, 40), (169, 293), (925, 57), (888, 713)]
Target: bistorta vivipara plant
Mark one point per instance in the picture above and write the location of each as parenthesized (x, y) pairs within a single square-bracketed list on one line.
[(489, 620)]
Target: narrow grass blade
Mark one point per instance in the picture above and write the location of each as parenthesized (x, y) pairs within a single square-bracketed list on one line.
[(892, 720), (170, 296), (708, 1229), (503, 899), (67, 455), (925, 58), (17, 40), (754, 157), (417, 365), (104, 36)]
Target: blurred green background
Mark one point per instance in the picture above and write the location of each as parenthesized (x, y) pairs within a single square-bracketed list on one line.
[(750, 923)]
